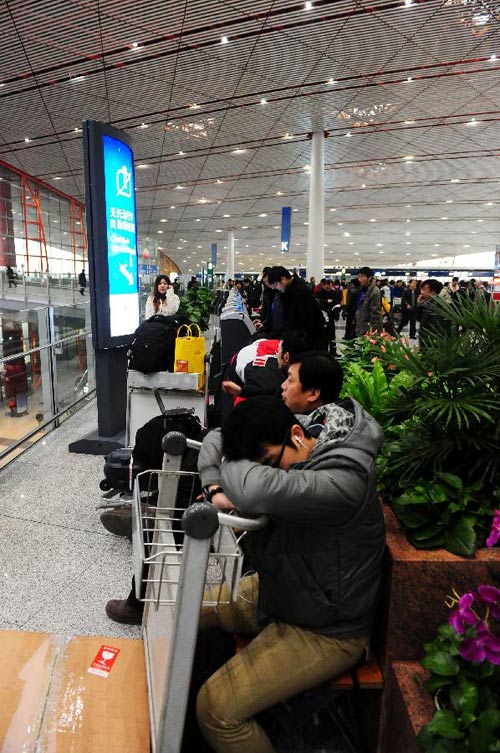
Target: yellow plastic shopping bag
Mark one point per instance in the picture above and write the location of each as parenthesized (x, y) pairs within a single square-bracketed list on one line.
[(190, 352)]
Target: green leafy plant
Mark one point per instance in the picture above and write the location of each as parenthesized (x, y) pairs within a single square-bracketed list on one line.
[(464, 666), (443, 512), (373, 388), (196, 305), (454, 397)]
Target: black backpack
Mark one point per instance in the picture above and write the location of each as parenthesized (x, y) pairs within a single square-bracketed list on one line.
[(153, 346)]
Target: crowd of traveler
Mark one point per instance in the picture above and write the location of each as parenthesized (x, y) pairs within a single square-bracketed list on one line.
[(293, 450)]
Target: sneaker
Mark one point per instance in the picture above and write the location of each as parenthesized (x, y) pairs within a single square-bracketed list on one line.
[(120, 610)]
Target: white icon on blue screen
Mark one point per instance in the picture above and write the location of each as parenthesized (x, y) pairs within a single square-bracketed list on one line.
[(124, 182)]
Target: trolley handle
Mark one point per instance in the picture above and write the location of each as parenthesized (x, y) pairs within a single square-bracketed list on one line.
[(243, 524)]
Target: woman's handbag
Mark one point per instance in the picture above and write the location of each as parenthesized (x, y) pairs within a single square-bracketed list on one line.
[(190, 353)]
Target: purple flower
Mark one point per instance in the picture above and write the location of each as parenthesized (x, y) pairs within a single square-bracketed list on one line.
[(494, 536), (483, 646), (490, 595), (462, 617)]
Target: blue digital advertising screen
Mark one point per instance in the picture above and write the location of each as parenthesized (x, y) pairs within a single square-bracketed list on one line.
[(121, 235)]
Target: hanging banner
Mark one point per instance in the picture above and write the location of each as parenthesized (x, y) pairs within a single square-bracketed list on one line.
[(213, 249), (286, 228), (496, 276)]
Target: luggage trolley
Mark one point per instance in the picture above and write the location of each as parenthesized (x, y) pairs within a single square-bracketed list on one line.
[(183, 563)]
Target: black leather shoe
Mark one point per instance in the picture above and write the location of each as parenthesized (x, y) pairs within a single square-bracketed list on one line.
[(120, 610), (118, 521)]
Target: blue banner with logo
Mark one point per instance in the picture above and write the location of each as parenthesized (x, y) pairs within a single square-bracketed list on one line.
[(214, 254), (286, 228)]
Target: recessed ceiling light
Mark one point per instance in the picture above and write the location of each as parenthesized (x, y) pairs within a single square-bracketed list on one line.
[(163, 219), (489, 204), (172, 206), (493, 57), (333, 209), (466, 245), (77, 130), (181, 153), (226, 215), (244, 227), (380, 244), (351, 243), (347, 235), (331, 81), (263, 101), (306, 223), (444, 218), (408, 243), (449, 201), (77, 78), (295, 210), (224, 40), (408, 220), (287, 136), (143, 166), (408, 233), (160, 232), (1, 86), (218, 231), (409, 79), (347, 134), (436, 245), (239, 151), (372, 219), (455, 180), (308, 5), (179, 187), (409, 158), (363, 185), (409, 122), (194, 106), (58, 177), (27, 140), (263, 214), (143, 125)]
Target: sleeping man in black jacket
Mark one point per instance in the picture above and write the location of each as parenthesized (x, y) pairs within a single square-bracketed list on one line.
[(318, 562)]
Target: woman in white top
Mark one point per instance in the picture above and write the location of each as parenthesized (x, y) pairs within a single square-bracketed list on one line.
[(162, 300)]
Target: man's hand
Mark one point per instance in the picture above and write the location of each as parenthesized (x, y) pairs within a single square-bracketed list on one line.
[(231, 388), (222, 503)]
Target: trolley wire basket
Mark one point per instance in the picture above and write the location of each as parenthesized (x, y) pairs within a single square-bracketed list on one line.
[(183, 559)]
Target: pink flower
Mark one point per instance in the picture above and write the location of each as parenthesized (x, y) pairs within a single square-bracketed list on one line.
[(494, 536), (374, 359), (407, 356), (430, 373), (490, 595), (483, 646), (383, 348), (373, 342), (461, 618)]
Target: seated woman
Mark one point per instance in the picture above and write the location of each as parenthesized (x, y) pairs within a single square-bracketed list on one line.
[(163, 299)]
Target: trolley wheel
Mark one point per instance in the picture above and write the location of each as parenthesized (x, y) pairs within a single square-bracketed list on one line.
[(104, 485)]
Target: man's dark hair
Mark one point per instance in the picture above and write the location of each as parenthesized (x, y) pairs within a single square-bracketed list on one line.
[(295, 342), (368, 271), (434, 285), (254, 423), (265, 271), (321, 371), (454, 279), (276, 273)]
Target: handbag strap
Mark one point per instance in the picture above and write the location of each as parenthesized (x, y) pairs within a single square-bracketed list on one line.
[(188, 327), (191, 327)]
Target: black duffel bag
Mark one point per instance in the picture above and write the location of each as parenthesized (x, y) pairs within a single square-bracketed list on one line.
[(153, 345)]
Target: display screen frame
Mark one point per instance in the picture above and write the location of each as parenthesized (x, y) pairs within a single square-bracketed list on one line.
[(113, 251)]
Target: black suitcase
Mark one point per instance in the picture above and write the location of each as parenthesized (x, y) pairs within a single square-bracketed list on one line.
[(118, 472)]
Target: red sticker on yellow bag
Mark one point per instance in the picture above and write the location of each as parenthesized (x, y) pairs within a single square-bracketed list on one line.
[(103, 661)]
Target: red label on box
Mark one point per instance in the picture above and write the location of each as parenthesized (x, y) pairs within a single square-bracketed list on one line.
[(103, 661)]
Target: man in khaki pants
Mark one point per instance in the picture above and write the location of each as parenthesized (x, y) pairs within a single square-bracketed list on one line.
[(318, 562)]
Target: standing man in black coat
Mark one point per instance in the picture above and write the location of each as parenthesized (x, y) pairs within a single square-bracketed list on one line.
[(409, 304), (301, 310)]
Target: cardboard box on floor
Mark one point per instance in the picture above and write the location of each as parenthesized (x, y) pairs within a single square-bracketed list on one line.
[(50, 703)]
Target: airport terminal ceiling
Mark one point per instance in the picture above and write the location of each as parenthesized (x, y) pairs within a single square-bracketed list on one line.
[(220, 97)]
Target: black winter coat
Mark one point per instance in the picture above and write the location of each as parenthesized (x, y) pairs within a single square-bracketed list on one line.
[(302, 311)]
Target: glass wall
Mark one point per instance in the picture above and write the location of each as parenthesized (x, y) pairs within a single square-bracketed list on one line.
[(44, 372)]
